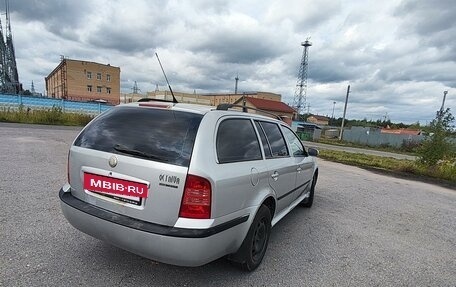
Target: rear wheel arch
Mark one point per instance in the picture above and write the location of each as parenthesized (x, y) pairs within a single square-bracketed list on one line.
[(307, 202), (271, 204)]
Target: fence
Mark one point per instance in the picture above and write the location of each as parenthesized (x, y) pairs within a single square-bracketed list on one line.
[(14, 101), (373, 137)]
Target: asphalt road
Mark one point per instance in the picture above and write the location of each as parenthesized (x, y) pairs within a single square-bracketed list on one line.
[(359, 150), (364, 229)]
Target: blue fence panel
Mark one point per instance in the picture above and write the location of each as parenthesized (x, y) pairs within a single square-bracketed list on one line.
[(9, 99), (15, 101)]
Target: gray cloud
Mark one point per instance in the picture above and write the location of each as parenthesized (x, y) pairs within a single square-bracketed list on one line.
[(243, 49), (432, 24), (426, 17), (59, 16), (304, 15)]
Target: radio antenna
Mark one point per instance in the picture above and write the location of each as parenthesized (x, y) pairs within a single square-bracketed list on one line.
[(166, 78)]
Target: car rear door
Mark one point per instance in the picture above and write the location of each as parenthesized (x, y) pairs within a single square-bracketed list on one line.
[(239, 174), (282, 175)]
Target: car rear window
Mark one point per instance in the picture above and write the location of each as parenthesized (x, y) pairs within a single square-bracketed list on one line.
[(156, 134)]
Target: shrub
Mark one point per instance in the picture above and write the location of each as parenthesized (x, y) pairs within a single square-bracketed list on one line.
[(53, 116), (410, 145), (437, 146)]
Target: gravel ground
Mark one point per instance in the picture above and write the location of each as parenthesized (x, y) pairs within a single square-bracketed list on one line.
[(364, 229)]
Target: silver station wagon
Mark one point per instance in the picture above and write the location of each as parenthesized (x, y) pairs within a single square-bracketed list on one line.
[(186, 184)]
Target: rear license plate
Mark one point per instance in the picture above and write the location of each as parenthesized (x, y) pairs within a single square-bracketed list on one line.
[(127, 199), (123, 190)]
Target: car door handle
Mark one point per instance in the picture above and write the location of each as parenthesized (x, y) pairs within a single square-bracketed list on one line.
[(299, 169), (275, 175)]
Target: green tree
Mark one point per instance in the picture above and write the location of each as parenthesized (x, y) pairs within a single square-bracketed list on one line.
[(438, 145), (416, 126), (26, 93)]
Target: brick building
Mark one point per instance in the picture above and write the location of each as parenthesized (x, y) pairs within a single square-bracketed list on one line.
[(84, 81), (318, 120)]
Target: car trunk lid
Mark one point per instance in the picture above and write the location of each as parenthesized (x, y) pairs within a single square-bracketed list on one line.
[(134, 161)]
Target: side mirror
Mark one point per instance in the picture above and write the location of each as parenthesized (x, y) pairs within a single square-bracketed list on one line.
[(312, 151)]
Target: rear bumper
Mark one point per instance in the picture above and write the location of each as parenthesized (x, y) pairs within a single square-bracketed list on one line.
[(167, 244)]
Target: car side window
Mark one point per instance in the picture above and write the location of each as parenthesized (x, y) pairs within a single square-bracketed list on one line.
[(275, 139), (237, 141), (296, 146), (264, 141)]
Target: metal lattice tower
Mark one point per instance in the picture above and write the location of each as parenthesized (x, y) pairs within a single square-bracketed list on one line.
[(300, 97), (135, 88), (9, 76), (3, 68)]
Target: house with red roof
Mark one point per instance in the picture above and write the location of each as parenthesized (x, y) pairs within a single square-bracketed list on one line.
[(400, 131), (271, 107)]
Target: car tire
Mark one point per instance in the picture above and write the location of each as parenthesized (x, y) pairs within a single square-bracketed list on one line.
[(307, 202), (253, 248)]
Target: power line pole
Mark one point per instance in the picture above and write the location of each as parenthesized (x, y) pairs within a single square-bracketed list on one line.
[(443, 102), (334, 105), (345, 111), (442, 108), (236, 84)]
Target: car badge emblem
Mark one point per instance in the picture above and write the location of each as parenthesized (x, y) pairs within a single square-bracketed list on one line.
[(113, 161)]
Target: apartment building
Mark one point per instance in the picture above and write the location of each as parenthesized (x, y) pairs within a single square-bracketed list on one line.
[(84, 81)]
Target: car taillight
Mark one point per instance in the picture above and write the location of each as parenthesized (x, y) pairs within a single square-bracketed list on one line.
[(196, 201)]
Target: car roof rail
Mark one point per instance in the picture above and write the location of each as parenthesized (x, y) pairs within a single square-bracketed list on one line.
[(225, 107), (155, 100)]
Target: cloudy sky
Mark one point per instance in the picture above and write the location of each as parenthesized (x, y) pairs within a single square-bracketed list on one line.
[(398, 56)]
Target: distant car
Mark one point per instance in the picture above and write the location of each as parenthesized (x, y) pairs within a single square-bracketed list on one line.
[(186, 184)]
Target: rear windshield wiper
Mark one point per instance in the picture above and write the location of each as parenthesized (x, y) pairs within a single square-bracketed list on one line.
[(124, 149)]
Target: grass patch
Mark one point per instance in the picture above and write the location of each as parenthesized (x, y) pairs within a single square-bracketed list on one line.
[(444, 170), (53, 116), (409, 149)]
